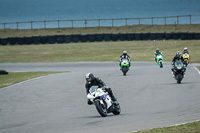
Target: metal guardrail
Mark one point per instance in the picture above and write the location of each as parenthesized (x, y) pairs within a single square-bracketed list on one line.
[(98, 22)]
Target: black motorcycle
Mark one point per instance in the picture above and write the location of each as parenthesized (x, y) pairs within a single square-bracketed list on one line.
[(179, 71)]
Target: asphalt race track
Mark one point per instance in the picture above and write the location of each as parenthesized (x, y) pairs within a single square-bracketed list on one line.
[(149, 97)]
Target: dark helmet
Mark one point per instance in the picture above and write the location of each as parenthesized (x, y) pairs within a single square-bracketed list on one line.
[(157, 50), (89, 78), (124, 52), (178, 53)]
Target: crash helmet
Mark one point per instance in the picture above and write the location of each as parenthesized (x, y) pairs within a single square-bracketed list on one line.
[(157, 50), (89, 78), (178, 53), (124, 52), (185, 49)]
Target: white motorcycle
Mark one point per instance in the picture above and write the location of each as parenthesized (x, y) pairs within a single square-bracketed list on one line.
[(102, 101)]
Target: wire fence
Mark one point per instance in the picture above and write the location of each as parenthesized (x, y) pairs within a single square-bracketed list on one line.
[(184, 19)]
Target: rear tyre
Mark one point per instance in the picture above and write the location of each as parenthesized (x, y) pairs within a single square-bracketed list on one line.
[(101, 108)]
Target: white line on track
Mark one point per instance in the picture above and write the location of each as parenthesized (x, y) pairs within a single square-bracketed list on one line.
[(197, 69)]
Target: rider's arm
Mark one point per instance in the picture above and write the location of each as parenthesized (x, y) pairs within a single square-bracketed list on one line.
[(100, 82), (87, 88)]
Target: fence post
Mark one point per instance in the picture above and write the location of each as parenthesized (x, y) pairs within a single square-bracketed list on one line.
[(85, 23), (152, 20), (17, 26), (72, 24), (31, 25), (45, 24), (112, 22), (4, 25), (177, 19), (190, 19), (58, 23), (139, 21), (165, 20), (99, 22), (126, 21)]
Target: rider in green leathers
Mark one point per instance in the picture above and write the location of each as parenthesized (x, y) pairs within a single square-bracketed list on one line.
[(157, 53)]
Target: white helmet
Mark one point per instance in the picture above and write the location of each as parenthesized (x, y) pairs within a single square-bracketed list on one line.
[(124, 52), (185, 48)]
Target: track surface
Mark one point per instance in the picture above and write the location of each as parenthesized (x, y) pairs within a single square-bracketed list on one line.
[(149, 97)]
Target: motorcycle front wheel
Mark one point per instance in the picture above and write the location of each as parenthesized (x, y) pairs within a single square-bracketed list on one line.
[(101, 108)]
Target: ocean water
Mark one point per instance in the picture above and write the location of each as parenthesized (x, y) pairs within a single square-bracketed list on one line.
[(40, 10)]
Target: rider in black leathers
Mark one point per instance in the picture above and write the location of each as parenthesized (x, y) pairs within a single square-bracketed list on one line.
[(94, 81), (176, 58)]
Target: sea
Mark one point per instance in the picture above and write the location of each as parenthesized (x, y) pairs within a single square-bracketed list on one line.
[(92, 10)]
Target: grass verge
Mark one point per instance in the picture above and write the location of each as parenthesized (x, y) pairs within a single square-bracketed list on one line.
[(193, 127), (15, 77), (97, 51)]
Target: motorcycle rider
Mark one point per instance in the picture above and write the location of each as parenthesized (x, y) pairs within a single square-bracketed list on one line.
[(125, 56), (94, 81), (177, 57), (186, 51), (157, 53)]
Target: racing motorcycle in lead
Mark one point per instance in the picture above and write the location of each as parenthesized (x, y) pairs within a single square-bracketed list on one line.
[(179, 71), (160, 61), (125, 66), (103, 101)]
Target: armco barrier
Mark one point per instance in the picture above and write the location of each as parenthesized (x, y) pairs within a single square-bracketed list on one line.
[(184, 36), (12, 40), (51, 39), (68, 38), (197, 36), (60, 39), (138, 36), (91, 37), (176, 35), (99, 37), (44, 39), (84, 38), (123, 37), (36, 39), (28, 40), (130, 36), (20, 40), (4, 41), (190, 36), (107, 37), (168, 36), (145, 36), (160, 36), (153, 36), (75, 38), (115, 37)]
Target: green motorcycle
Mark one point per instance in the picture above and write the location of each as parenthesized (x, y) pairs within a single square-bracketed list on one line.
[(125, 66), (159, 60)]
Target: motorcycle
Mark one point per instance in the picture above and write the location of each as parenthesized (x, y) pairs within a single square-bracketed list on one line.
[(179, 71), (186, 59), (103, 101), (125, 66), (160, 61)]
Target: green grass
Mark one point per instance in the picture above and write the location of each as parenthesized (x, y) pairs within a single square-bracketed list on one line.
[(193, 127), (97, 51), (97, 30), (15, 77)]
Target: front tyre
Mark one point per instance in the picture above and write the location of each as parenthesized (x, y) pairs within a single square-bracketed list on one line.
[(101, 108), (161, 64)]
